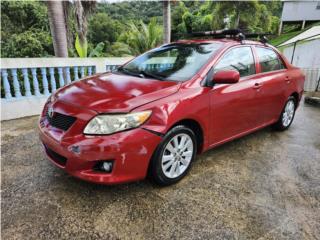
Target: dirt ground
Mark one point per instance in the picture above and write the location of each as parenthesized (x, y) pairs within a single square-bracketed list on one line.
[(263, 186)]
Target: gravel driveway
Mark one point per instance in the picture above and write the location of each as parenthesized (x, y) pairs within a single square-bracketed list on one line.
[(263, 186)]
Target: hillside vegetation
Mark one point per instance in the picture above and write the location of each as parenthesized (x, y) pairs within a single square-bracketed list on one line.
[(125, 28)]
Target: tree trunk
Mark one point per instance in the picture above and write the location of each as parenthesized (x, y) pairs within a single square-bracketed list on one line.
[(237, 20), (81, 21), (58, 28), (166, 22)]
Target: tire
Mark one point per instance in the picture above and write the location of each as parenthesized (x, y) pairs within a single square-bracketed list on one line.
[(287, 115), (173, 157)]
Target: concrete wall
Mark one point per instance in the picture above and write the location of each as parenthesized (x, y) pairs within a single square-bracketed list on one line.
[(18, 108)]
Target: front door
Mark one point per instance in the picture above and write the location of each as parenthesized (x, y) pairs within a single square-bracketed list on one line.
[(233, 107)]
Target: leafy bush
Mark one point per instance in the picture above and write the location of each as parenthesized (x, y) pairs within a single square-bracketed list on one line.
[(103, 28), (25, 29), (32, 43)]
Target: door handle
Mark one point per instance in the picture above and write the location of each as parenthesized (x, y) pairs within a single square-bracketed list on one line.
[(288, 79), (257, 85)]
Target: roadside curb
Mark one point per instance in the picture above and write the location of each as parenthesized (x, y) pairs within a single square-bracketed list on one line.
[(315, 101)]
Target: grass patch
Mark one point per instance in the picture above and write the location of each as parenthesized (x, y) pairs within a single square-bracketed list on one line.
[(288, 35), (284, 37)]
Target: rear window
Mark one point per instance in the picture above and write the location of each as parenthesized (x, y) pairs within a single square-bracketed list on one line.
[(269, 60)]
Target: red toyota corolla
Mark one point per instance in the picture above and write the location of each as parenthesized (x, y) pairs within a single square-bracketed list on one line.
[(156, 113)]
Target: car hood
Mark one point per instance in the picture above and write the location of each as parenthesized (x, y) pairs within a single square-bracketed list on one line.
[(111, 92)]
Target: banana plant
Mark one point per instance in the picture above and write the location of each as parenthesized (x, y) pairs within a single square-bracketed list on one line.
[(82, 49)]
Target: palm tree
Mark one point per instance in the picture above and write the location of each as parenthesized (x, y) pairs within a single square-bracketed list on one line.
[(166, 21), (82, 10), (58, 28), (58, 12), (144, 37)]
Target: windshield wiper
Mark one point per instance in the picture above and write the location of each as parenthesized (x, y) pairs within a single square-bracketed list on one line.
[(151, 75), (141, 74), (126, 71)]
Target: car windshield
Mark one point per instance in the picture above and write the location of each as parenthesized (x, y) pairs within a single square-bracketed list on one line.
[(175, 62)]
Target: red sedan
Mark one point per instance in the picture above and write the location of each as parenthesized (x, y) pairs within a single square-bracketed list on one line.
[(157, 112)]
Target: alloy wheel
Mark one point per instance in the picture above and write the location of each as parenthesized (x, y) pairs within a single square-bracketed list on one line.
[(177, 155), (288, 113)]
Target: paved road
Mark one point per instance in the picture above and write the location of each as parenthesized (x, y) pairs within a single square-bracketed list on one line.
[(263, 186)]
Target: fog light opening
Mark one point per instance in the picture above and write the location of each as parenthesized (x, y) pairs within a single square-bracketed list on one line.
[(104, 166)]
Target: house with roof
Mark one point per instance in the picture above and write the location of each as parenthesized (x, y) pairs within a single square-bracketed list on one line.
[(299, 12)]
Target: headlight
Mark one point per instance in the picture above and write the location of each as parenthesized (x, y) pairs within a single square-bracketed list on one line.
[(112, 123)]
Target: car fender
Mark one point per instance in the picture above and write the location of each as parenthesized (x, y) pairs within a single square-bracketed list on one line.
[(169, 111)]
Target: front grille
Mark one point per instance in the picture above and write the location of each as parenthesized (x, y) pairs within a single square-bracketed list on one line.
[(61, 160), (60, 121)]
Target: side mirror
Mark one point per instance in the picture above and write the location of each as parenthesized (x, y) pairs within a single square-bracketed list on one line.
[(226, 76)]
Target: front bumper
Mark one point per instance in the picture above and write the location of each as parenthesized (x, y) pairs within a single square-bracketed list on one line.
[(130, 152), (78, 154)]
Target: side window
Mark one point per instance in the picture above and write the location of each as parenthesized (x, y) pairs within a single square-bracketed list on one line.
[(269, 60), (240, 59)]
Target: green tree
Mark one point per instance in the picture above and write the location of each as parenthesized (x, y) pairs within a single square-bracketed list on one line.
[(247, 15), (25, 29), (178, 28), (28, 44), (126, 11), (82, 10), (103, 28), (119, 49), (143, 37)]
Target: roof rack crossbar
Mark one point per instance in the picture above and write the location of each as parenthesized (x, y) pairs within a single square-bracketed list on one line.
[(232, 33)]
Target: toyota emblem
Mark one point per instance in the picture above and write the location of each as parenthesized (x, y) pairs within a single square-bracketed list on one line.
[(50, 112)]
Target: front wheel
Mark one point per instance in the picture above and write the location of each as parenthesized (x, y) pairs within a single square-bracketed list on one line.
[(287, 115), (174, 155)]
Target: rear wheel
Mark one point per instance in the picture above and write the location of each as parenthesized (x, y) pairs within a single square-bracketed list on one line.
[(173, 157), (287, 115)]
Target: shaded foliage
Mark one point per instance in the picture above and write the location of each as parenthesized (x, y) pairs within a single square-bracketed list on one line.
[(132, 10), (31, 43), (102, 28), (25, 29)]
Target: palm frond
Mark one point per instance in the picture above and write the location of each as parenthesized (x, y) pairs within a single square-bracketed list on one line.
[(142, 37)]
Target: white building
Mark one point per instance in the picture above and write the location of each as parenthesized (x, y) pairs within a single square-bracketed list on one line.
[(303, 51), (299, 12)]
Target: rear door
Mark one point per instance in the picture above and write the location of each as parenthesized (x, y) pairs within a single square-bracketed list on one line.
[(233, 110), (271, 84)]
